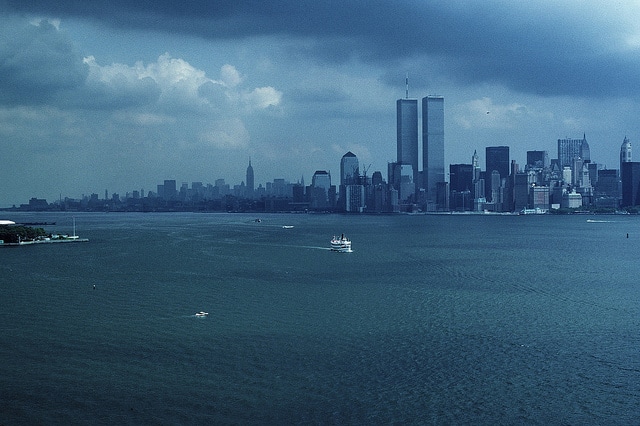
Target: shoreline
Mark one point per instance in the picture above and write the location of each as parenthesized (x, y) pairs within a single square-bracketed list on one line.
[(30, 243)]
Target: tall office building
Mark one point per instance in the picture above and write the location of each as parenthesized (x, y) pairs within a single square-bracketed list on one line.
[(630, 174), (352, 194), (407, 127), (461, 177), (432, 144), (625, 152), (320, 188), (349, 169), (321, 179), (250, 181), (570, 149), (608, 183), (497, 158)]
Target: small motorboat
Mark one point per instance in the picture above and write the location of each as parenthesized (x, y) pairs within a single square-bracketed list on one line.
[(202, 314)]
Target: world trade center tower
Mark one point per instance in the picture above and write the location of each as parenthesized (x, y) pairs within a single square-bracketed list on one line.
[(407, 126), (432, 144)]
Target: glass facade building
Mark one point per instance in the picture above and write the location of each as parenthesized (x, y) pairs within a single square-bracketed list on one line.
[(432, 144), (407, 128)]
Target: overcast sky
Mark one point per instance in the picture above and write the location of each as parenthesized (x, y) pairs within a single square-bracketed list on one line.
[(121, 95)]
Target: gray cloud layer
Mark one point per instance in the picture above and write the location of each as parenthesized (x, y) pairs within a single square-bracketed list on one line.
[(541, 48), (37, 63)]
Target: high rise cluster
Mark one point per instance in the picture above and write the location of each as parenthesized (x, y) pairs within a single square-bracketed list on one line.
[(571, 180), (415, 186)]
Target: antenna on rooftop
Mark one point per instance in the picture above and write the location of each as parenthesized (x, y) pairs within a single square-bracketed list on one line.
[(406, 82)]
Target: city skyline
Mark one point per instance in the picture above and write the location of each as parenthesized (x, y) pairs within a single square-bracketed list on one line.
[(499, 167), (113, 94)]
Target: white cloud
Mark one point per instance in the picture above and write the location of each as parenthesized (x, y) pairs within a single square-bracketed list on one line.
[(262, 97), (230, 76), (180, 85)]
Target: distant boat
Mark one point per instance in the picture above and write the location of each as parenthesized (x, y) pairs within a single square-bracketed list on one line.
[(288, 226), (341, 244), (202, 314)]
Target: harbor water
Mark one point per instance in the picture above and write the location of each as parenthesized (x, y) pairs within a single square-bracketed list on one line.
[(432, 319)]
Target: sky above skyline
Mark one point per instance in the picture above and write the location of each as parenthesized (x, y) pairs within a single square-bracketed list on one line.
[(122, 95)]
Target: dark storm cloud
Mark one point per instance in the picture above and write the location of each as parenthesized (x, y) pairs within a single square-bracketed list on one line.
[(546, 48), (37, 63)]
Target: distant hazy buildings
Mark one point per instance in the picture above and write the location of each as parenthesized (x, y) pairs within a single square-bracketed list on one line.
[(169, 190)]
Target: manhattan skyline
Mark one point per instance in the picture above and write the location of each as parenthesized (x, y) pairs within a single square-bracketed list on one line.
[(113, 95)]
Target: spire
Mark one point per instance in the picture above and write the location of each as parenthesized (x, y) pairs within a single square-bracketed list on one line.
[(625, 152), (406, 82)]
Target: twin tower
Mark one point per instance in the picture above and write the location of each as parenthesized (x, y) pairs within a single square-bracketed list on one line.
[(425, 182)]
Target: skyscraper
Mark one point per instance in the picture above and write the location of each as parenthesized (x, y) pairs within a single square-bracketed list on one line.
[(432, 144), (250, 181), (461, 177), (461, 186), (320, 187), (349, 169), (497, 160), (570, 149), (407, 127), (625, 152), (351, 191), (630, 175)]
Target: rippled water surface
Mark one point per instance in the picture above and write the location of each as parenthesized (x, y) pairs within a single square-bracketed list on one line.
[(431, 320)]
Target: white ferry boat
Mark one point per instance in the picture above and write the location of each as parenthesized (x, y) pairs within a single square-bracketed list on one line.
[(341, 244)]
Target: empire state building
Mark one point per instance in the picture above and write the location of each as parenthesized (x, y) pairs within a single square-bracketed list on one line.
[(250, 181)]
